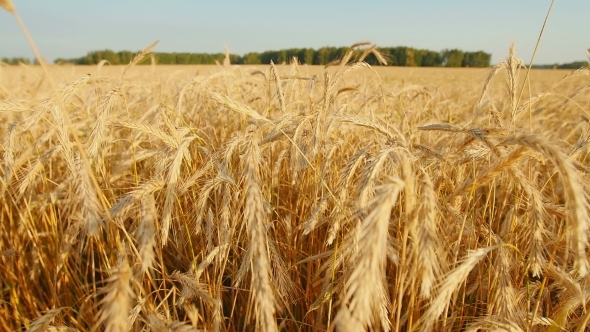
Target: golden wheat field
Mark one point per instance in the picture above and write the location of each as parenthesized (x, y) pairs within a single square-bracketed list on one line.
[(294, 198)]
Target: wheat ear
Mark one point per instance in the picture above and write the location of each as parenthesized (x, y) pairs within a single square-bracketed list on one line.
[(365, 287), (255, 220), (449, 285), (116, 303)]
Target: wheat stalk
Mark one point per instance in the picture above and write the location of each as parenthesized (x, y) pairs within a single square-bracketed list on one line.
[(574, 192), (116, 303), (255, 219), (139, 57), (449, 284), (364, 294), (42, 323), (146, 232)]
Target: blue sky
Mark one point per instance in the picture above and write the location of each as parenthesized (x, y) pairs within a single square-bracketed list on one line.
[(71, 28)]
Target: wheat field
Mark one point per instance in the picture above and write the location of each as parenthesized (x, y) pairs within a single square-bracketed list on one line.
[(294, 198)]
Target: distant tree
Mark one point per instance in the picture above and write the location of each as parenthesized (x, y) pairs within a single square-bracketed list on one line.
[(16, 61), (291, 53), (268, 56), (282, 56), (235, 59), (95, 57), (410, 60), (297, 53), (207, 59), (252, 58), (322, 56), (125, 57), (196, 58), (401, 55), (309, 56), (371, 59), (573, 65), (341, 52), (476, 59), (452, 58), (110, 56), (85, 60), (165, 58), (390, 53), (417, 58), (431, 59)]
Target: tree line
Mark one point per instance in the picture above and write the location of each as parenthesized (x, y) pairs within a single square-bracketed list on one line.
[(395, 56), (570, 65), (17, 60)]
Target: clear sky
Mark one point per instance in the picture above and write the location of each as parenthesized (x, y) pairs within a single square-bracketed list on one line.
[(71, 28)]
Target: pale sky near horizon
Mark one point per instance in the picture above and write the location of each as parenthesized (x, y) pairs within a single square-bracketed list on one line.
[(71, 28)]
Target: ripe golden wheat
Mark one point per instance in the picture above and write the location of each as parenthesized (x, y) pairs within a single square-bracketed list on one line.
[(293, 198)]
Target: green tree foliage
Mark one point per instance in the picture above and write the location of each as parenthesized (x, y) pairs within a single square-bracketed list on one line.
[(16, 61), (397, 56), (430, 58), (308, 57), (573, 65), (476, 59), (108, 55), (452, 58), (125, 57), (252, 58)]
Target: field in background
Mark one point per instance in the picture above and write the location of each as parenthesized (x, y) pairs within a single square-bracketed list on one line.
[(16, 76), (240, 198)]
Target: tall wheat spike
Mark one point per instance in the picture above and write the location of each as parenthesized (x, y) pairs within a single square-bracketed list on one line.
[(449, 285), (140, 56), (255, 219), (365, 295), (116, 303)]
